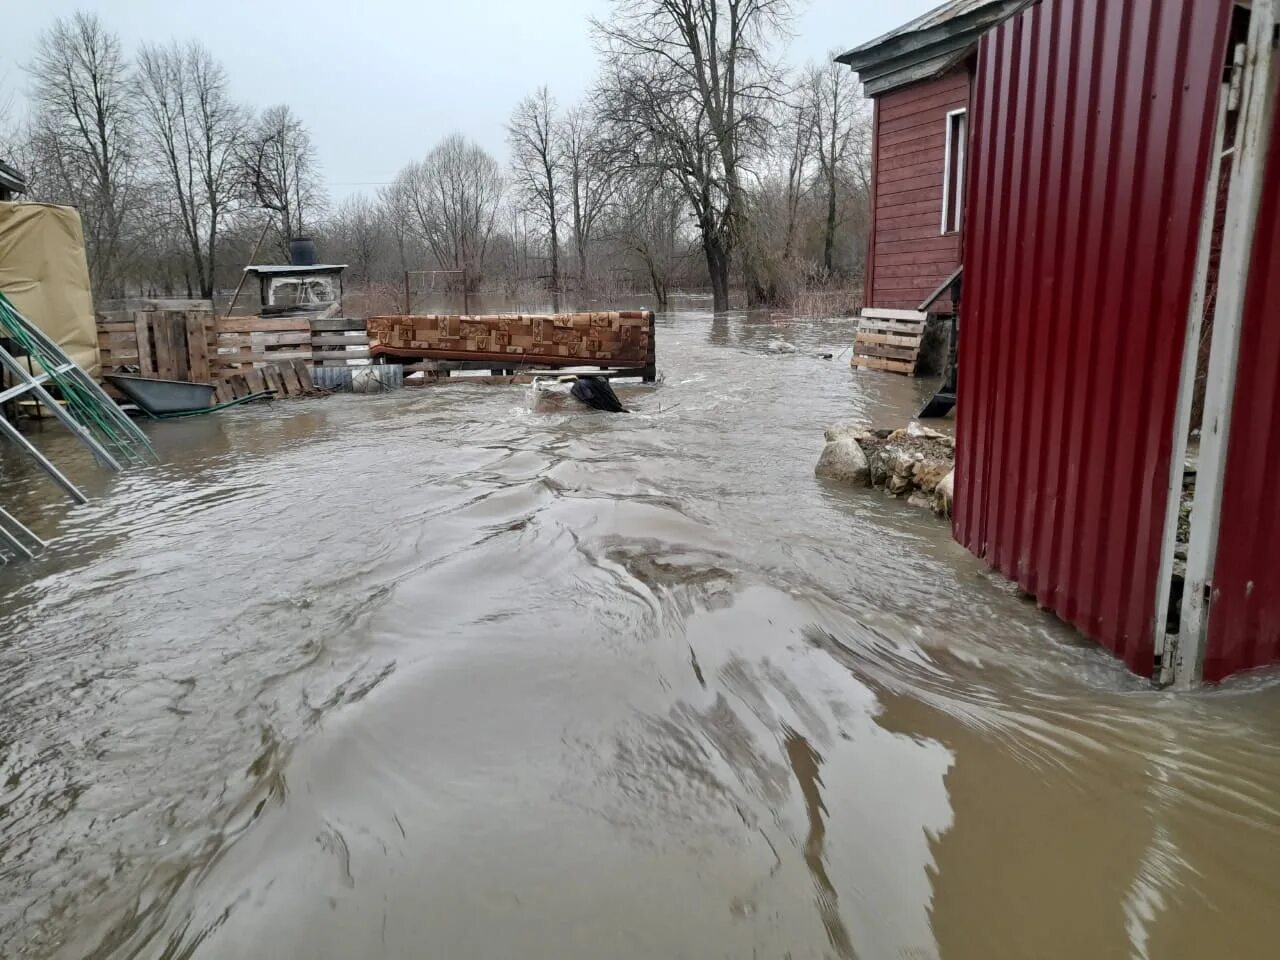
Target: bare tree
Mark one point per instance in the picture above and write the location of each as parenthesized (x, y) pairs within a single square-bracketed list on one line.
[(194, 129), (453, 197), (647, 223), (84, 135), (278, 165), (690, 79), (360, 229), (590, 176), (842, 133), (799, 132), (536, 169)]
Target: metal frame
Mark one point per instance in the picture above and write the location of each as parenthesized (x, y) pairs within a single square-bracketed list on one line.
[(1186, 397), (21, 540), (1250, 159), (953, 152)]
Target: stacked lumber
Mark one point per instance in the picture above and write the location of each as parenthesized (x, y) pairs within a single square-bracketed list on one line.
[(613, 338), (889, 340)]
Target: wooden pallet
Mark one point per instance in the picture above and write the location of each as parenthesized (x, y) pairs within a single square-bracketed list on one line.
[(288, 378), (337, 340), (889, 340)]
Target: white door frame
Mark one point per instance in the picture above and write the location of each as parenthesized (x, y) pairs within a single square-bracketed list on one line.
[(1253, 136)]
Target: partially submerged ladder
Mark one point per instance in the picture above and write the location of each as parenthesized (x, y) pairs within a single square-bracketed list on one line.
[(84, 409)]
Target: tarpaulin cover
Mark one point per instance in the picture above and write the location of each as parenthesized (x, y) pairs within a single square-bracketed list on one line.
[(44, 273)]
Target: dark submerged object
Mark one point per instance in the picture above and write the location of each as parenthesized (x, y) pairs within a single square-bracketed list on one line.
[(596, 392)]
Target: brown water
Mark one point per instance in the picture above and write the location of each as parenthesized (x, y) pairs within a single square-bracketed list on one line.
[(435, 675)]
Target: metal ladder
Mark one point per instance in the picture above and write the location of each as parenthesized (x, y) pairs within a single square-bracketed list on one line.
[(85, 410)]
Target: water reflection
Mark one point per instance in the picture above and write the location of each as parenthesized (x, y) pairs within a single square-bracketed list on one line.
[(805, 762)]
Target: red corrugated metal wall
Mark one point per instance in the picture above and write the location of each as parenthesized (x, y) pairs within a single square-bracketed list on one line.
[(909, 255), (1244, 619), (1090, 137)]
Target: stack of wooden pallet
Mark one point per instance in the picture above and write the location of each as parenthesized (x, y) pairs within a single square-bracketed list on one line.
[(889, 340), (618, 338)]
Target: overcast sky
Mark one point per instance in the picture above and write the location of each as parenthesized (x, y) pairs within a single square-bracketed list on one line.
[(379, 82)]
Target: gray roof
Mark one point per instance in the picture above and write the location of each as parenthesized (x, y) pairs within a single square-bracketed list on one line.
[(929, 45), (11, 179), (288, 269)]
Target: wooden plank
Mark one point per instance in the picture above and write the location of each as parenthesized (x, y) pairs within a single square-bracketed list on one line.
[(888, 339), (239, 386), (890, 353), (118, 326), (178, 306), (274, 381), (292, 387), (166, 348), (303, 372), (338, 340), (197, 348), (258, 356), (339, 325), (915, 195), (260, 340), (253, 377), (931, 180), (938, 103), (877, 363), (902, 328), (881, 313), (956, 83), (261, 325), (142, 326), (321, 355)]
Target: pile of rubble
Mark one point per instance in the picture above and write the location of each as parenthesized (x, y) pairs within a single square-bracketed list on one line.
[(915, 462)]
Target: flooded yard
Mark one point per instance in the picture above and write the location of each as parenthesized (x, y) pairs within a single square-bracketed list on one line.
[(435, 674)]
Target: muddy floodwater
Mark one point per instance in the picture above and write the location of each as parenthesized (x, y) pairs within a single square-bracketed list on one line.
[(438, 675)]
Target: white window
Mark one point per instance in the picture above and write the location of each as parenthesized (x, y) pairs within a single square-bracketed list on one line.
[(953, 172)]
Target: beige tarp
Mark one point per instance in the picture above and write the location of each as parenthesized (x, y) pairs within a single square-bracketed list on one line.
[(44, 273)]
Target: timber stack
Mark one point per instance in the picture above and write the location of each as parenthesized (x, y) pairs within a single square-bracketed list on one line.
[(621, 340)]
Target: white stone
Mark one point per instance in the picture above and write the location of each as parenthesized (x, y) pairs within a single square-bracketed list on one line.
[(853, 430), (944, 495), (843, 460), (915, 429)]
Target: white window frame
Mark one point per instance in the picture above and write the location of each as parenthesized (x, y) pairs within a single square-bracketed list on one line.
[(957, 155)]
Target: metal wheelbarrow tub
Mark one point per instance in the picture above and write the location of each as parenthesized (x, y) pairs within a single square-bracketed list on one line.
[(163, 397)]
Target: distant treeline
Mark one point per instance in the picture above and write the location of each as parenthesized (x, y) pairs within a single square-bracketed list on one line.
[(697, 160)]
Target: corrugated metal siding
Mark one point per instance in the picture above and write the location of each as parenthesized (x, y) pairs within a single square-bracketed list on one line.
[(366, 378), (1090, 141), (909, 255), (1244, 620)]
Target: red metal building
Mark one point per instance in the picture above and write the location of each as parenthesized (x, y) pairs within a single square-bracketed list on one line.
[(1095, 258), (919, 79), (1119, 345)]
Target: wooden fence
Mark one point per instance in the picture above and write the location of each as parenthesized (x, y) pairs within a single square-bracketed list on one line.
[(247, 353)]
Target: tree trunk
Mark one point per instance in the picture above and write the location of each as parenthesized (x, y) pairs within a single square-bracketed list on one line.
[(829, 238), (718, 269), (555, 256)]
